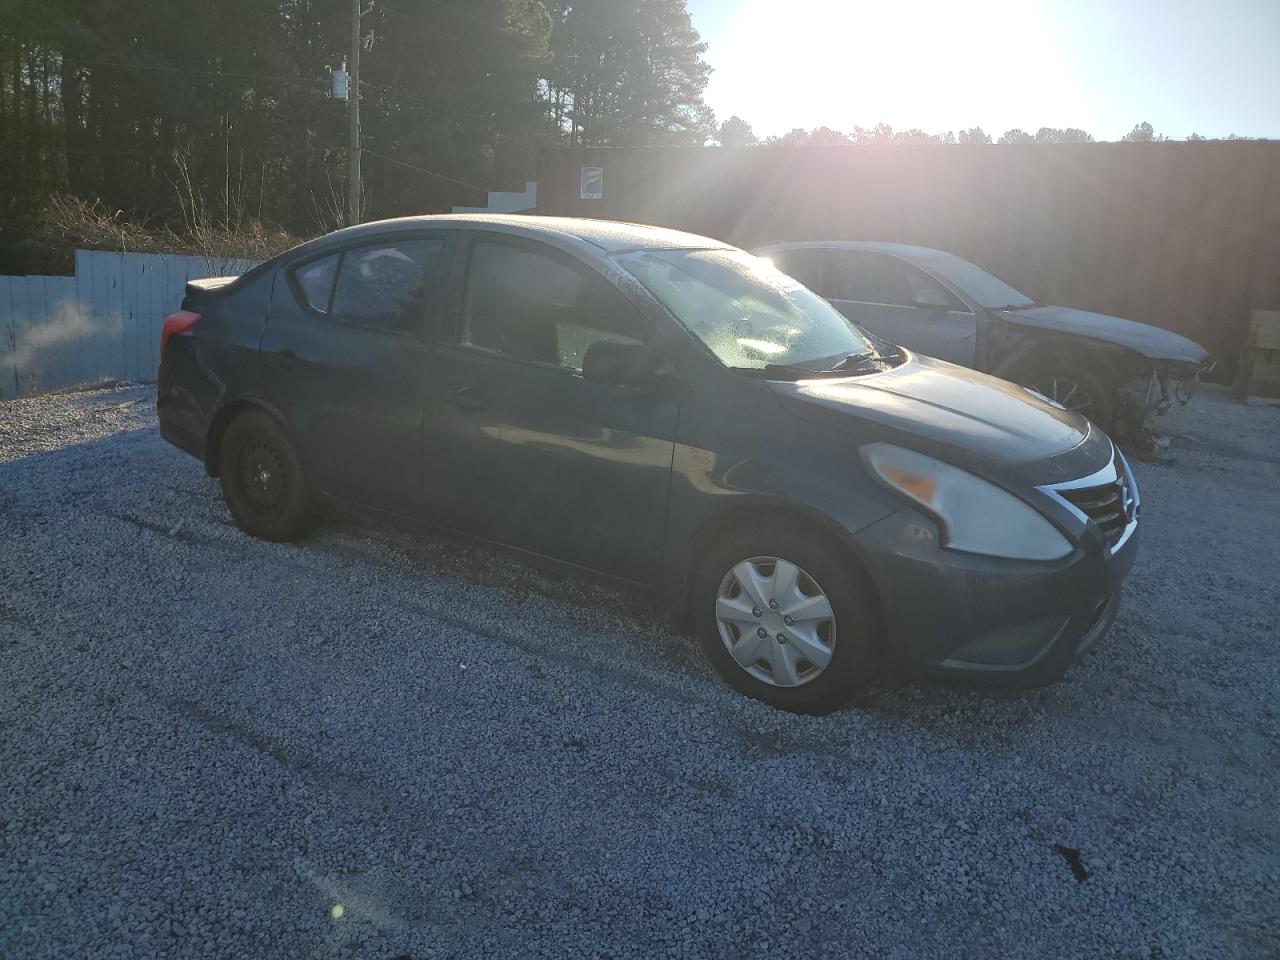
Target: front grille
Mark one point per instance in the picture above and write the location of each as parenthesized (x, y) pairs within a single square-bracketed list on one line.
[(1105, 504)]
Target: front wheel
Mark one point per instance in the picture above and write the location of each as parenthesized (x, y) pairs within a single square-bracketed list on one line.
[(263, 481), (782, 619), (1070, 384)]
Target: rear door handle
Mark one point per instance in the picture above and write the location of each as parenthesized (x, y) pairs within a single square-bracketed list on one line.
[(470, 398)]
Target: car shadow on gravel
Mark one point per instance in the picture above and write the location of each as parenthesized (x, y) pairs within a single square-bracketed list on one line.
[(973, 718), (945, 709), (192, 515)]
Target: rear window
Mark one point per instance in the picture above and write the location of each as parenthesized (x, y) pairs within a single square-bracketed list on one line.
[(386, 285)]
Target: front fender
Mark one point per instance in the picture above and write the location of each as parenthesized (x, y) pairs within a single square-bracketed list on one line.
[(1151, 343)]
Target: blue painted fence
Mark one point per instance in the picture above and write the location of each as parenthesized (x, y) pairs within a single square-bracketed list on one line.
[(103, 322)]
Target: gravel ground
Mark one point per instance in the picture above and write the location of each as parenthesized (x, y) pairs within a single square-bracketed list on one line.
[(382, 745)]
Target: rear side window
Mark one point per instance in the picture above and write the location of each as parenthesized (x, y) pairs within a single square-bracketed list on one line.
[(386, 286), (315, 281), (530, 306)]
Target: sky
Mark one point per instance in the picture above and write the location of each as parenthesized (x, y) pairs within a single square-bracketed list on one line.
[(1187, 66)]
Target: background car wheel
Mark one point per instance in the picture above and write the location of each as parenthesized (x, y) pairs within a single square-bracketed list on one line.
[(1068, 381), (783, 619), (263, 482)]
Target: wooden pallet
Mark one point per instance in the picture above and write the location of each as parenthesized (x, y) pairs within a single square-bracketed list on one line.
[(1260, 366)]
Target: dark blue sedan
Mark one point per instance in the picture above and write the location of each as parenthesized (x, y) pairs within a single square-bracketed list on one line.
[(672, 412)]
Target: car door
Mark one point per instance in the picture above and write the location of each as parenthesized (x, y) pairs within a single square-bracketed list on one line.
[(901, 303), (348, 334), (582, 469)]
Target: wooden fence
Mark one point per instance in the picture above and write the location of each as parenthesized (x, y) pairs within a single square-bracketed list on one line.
[(1180, 235), (102, 322)]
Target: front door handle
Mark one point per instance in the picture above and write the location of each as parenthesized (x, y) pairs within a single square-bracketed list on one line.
[(470, 398)]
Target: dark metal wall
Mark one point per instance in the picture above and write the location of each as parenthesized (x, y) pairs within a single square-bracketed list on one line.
[(1181, 235)]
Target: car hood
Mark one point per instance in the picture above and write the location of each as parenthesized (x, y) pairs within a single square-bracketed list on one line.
[(976, 419), (1152, 342)]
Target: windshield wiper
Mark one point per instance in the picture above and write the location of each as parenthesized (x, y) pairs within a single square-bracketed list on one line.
[(805, 371), (856, 358), (783, 371), (778, 371)]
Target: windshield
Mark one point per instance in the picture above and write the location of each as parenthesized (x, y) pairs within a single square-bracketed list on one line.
[(975, 282), (748, 313)]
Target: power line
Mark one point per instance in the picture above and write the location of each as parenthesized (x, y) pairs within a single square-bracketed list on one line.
[(193, 70), (55, 152), (462, 12), (430, 173), (420, 22), (433, 109)]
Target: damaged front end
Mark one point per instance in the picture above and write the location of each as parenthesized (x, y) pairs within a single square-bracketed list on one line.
[(1144, 399), (1145, 370)]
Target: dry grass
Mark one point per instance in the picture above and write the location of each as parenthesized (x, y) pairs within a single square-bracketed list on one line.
[(89, 224)]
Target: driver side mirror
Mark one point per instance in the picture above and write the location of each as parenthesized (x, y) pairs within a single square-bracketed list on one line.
[(932, 298), (617, 361)]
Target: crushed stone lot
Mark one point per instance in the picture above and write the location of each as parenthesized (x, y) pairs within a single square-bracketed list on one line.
[(380, 744)]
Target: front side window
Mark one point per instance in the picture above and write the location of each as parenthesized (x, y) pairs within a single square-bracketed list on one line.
[(532, 306), (386, 285), (918, 281), (880, 278), (869, 278), (315, 281), (976, 283), (748, 313)]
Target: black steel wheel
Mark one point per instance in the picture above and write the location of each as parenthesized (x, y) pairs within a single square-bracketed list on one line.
[(263, 482)]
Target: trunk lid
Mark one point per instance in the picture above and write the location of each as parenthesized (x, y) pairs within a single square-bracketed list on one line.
[(197, 288)]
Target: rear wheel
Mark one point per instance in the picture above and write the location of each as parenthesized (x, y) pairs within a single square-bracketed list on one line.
[(263, 481), (782, 619), (1069, 382)]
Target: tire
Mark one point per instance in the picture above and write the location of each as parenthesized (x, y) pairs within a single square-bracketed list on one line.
[(281, 505), (1070, 382), (851, 640)]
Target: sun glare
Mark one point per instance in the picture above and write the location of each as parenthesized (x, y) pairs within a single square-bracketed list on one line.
[(914, 64)]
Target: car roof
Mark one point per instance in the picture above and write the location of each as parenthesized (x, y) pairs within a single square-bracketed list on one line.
[(904, 250), (609, 236)]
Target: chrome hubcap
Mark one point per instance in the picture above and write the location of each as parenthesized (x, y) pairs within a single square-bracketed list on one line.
[(1064, 391), (775, 621)]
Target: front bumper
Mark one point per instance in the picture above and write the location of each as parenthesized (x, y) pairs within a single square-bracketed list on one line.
[(992, 620)]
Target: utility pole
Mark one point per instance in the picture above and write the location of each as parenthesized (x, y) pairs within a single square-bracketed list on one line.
[(353, 93)]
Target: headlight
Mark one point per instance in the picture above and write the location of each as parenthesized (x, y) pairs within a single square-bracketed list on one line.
[(976, 516)]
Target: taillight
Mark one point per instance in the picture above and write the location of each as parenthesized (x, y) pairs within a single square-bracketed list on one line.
[(179, 322)]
